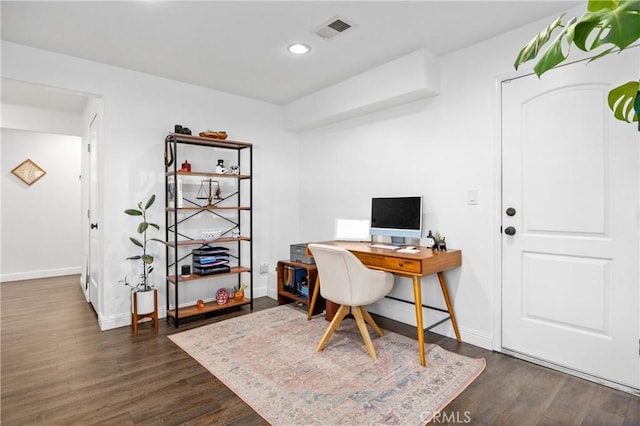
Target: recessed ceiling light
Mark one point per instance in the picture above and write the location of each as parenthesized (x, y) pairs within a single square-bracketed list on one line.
[(299, 48)]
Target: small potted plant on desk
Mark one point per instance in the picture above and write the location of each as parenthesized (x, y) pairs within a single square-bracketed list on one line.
[(144, 298)]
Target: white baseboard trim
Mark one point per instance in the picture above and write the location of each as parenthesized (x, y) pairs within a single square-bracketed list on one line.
[(405, 312), (45, 273), (124, 319)]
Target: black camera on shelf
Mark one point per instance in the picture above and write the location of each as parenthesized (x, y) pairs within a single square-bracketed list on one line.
[(182, 130)]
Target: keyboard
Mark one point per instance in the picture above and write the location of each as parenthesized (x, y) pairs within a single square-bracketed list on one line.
[(385, 246)]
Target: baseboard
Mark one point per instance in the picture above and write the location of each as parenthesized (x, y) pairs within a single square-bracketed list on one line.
[(124, 320), (404, 312), (45, 273)]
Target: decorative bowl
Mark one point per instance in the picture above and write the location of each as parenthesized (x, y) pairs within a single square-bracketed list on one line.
[(211, 234), (213, 134)]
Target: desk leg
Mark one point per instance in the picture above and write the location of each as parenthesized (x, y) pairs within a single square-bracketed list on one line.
[(316, 290), (417, 300), (447, 300)]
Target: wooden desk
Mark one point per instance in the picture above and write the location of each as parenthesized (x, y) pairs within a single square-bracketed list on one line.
[(412, 265)]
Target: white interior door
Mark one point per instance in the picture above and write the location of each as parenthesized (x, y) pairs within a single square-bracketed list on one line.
[(94, 247), (570, 172)]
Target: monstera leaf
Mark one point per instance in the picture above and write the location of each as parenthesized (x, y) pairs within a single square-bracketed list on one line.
[(625, 102), (609, 26)]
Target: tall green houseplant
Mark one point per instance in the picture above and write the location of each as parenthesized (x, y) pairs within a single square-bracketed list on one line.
[(144, 257), (609, 26)]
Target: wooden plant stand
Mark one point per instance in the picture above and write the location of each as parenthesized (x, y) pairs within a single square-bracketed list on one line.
[(136, 317)]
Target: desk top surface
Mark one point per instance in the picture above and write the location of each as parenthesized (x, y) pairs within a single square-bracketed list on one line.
[(425, 262), (365, 247)]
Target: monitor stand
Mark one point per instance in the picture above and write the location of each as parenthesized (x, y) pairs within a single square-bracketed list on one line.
[(396, 241)]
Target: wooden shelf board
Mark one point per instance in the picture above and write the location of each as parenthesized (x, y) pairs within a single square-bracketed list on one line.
[(307, 266), (193, 310), (207, 174), (295, 297), (203, 242), (202, 208), (194, 277), (220, 143)]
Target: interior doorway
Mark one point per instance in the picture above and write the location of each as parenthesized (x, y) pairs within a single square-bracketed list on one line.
[(36, 108)]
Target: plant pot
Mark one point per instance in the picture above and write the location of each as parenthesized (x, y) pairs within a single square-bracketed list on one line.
[(145, 302), (238, 295)]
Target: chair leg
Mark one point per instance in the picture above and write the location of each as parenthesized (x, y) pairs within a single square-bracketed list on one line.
[(357, 313), (337, 319), (371, 322)]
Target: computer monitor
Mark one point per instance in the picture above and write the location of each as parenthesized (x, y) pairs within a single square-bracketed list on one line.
[(396, 217)]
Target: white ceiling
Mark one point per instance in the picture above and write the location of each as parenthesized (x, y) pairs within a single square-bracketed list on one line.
[(240, 46)]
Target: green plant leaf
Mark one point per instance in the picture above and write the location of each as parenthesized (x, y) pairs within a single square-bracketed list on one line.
[(133, 212), (158, 240), (618, 25), (553, 56), (137, 257), (142, 227), (150, 202), (623, 101), (136, 242), (531, 49), (582, 29), (595, 5), (147, 258), (154, 225)]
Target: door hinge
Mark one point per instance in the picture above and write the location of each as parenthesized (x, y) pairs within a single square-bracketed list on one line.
[(88, 147), (89, 213)]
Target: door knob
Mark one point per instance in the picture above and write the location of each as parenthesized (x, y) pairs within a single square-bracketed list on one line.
[(510, 230), (511, 211), (94, 226)]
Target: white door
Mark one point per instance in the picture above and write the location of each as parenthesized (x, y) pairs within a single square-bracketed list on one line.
[(570, 173), (94, 258)]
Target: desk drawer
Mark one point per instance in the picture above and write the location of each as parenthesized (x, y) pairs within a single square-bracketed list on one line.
[(392, 264)]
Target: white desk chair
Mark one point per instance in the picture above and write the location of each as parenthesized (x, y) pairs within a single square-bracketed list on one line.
[(346, 281)]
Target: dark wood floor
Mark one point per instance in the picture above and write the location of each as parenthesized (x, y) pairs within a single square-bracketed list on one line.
[(58, 368)]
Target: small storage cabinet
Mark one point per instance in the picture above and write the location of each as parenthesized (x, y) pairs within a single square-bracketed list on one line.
[(208, 206), (291, 277)]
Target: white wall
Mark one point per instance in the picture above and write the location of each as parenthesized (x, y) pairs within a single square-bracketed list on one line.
[(439, 148), (40, 223), (138, 111)]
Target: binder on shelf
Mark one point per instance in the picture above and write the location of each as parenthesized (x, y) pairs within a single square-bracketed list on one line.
[(294, 276)]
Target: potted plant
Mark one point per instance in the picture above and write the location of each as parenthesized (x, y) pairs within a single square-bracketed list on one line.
[(238, 292), (143, 296)]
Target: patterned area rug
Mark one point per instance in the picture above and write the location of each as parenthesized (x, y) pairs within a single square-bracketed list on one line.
[(268, 359)]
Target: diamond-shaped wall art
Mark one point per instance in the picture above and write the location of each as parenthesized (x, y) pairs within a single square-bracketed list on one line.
[(28, 172)]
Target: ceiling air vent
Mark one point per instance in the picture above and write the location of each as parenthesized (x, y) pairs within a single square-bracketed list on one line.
[(334, 27)]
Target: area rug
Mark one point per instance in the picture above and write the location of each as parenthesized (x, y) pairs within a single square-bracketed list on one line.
[(268, 359)]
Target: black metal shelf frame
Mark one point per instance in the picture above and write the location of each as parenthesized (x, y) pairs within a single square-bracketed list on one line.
[(172, 141)]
